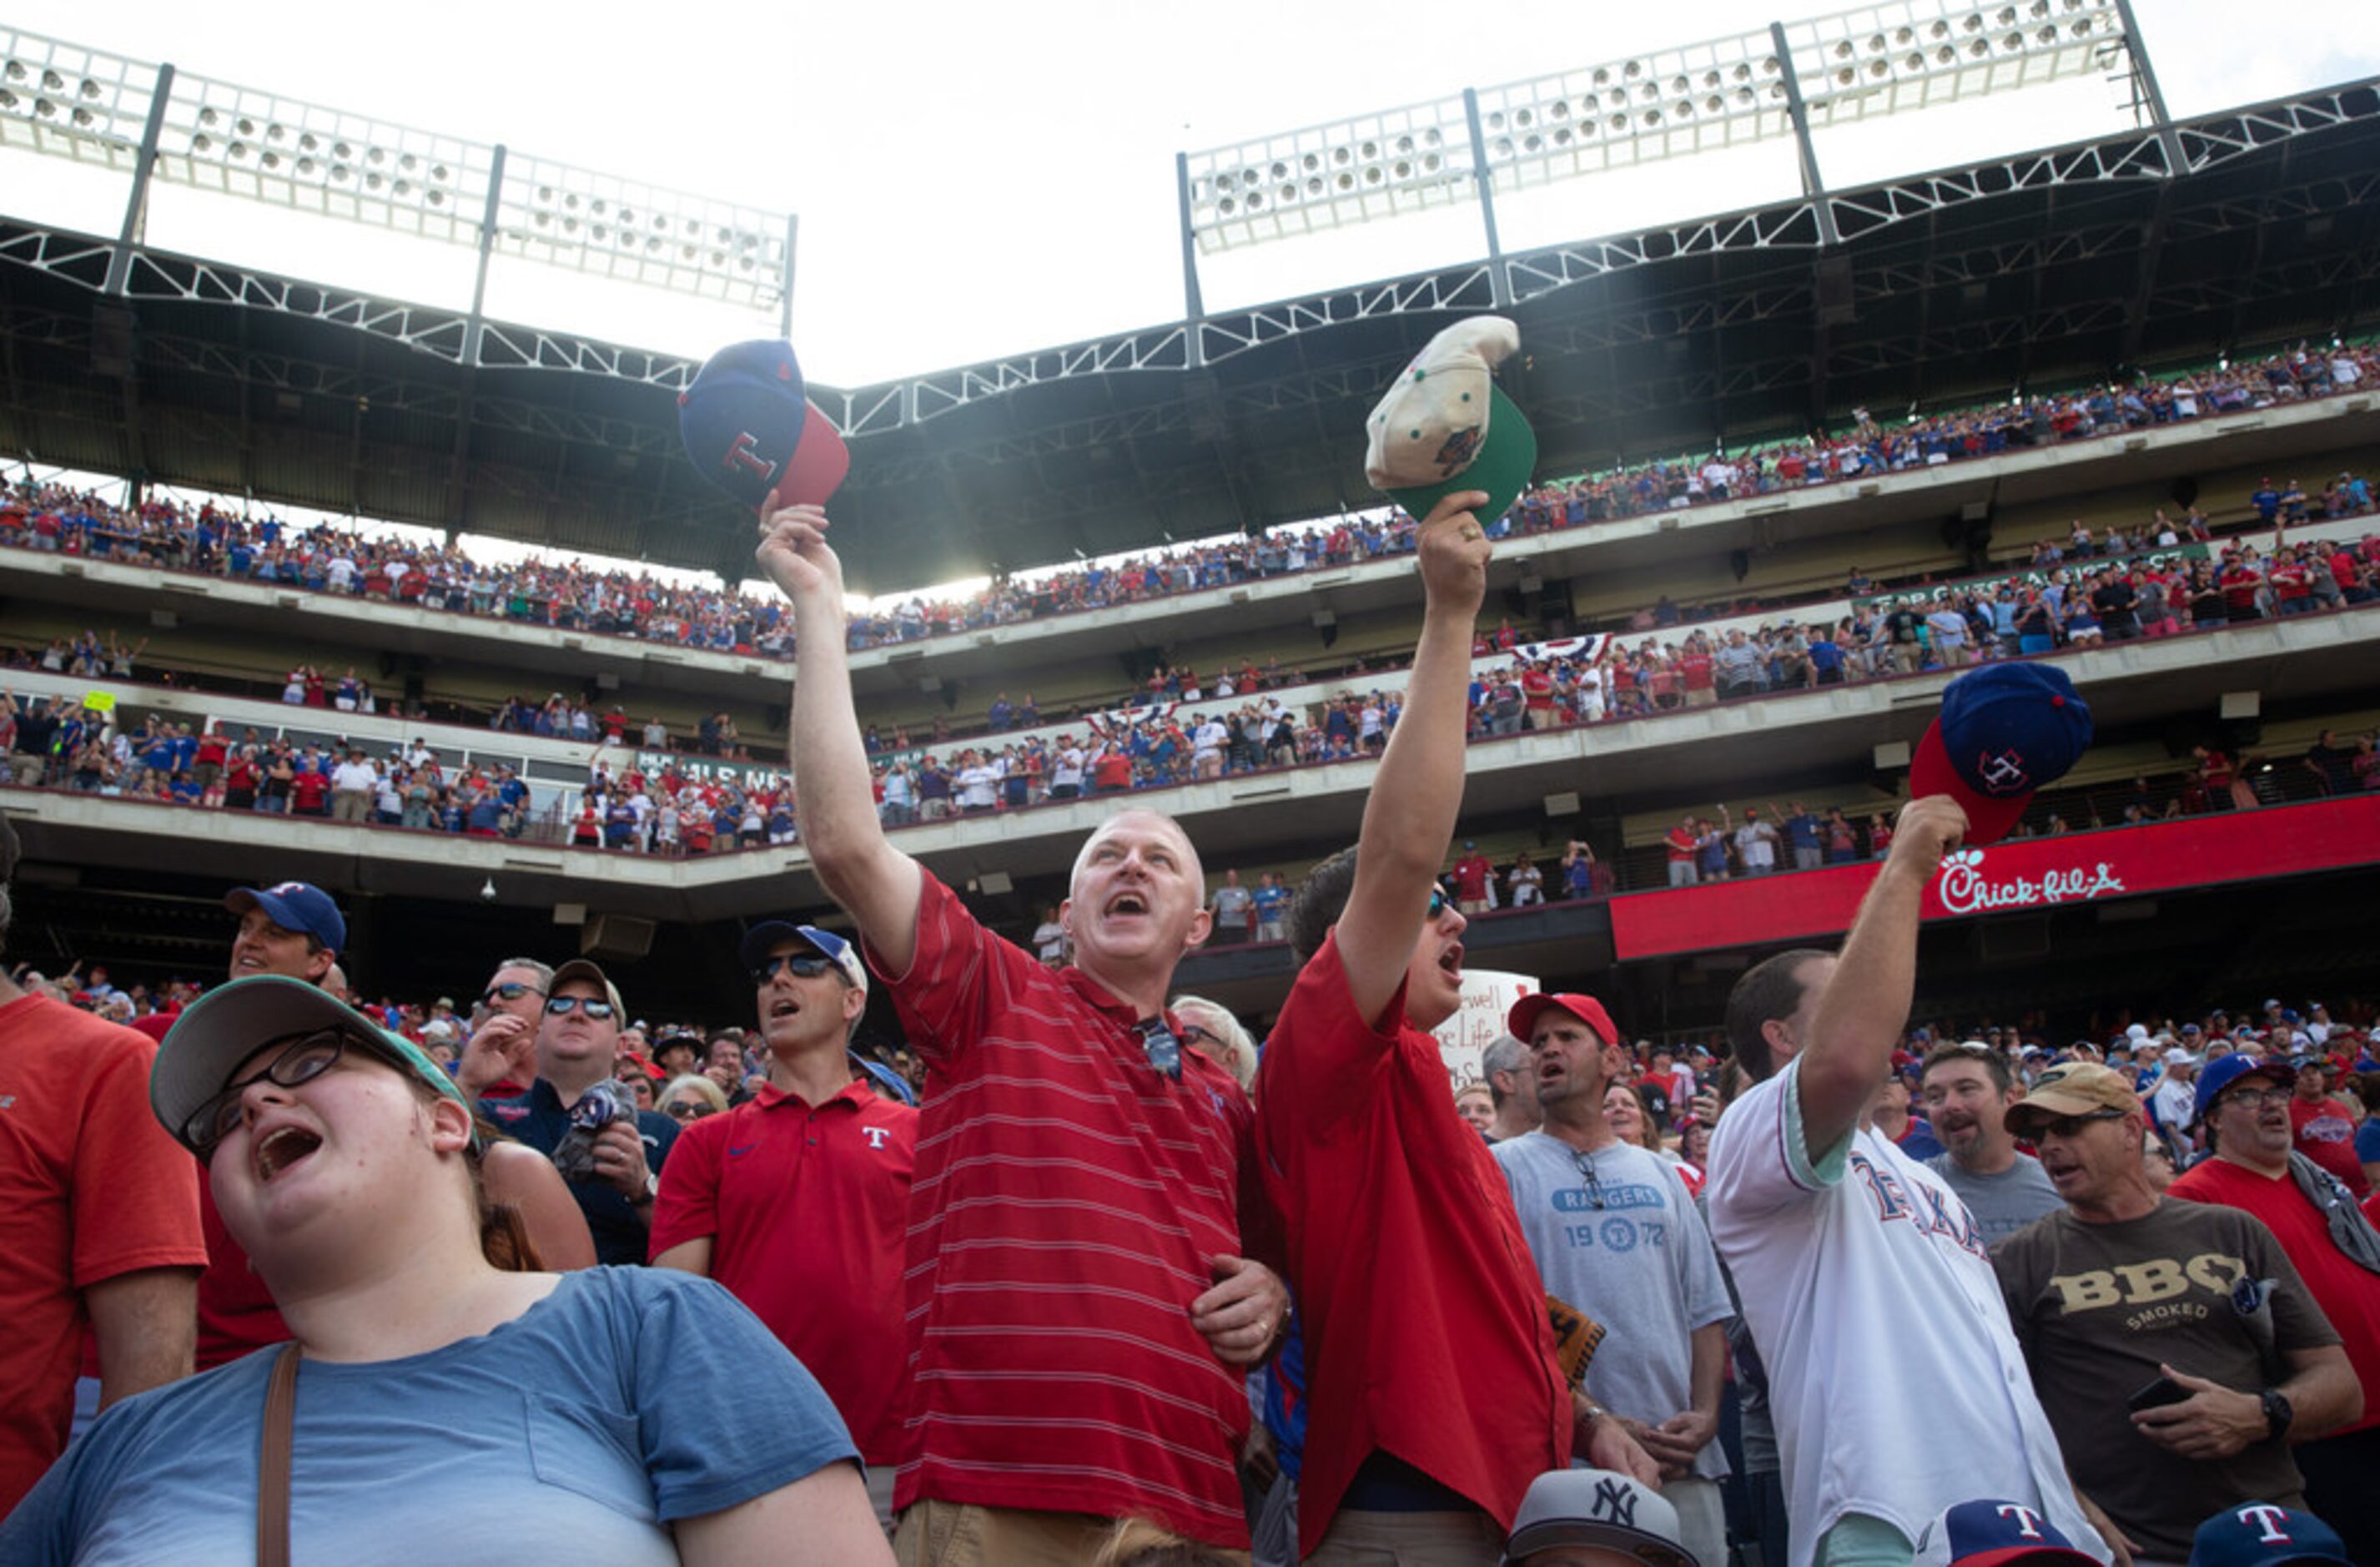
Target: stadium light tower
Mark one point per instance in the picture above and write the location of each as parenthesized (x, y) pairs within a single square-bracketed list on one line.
[(62, 99), (1888, 59)]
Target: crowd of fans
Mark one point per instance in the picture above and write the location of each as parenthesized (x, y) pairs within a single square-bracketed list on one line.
[(1032, 1318), (206, 539)]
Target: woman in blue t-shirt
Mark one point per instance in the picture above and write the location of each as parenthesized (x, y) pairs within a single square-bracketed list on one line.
[(452, 1403)]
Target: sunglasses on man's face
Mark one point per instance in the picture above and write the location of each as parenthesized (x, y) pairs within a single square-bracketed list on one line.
[(1436, 909), (803, 966), (510, 991), (562, 1006)]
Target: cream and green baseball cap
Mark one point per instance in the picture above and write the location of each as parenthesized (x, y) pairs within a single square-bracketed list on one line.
[(1446, 426), (232, 1022)]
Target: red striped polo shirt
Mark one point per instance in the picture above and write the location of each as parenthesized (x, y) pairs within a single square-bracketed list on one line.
[(808, 1214), (1068, 1198), (1427, 1332)]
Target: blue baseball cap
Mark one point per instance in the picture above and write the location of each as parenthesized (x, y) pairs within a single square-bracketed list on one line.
[(2224, 1070), (2259, 1534), (753, 431), (1989, 1533), (294, 906), (2005, 731), (770, 934)]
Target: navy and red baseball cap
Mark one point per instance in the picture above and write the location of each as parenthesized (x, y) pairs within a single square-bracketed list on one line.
[(2005, 731), (2259, 1534), (294, 906), (1993, 1534), (1586, 1009), (749, 426)]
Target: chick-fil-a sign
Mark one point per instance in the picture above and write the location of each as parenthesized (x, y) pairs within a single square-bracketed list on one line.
[(2029, 873), (1966, 886)]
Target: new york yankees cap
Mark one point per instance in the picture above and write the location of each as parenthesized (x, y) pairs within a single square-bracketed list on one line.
[(2005, 731), (1993, 1534), (2261, 1534), (752, 431), (1446, 426), (1598, 1507)]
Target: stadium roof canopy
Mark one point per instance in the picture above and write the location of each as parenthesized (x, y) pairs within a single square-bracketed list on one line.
[(2149, 247)]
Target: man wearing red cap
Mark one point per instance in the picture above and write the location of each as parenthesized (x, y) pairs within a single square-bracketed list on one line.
[(1615, 1233), (1434, 1395)]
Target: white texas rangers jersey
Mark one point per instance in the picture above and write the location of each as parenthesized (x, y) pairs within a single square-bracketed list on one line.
[(1897, 1386)]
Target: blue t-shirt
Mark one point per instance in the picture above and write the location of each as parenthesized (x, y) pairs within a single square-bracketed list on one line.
[(1271, 903), (625, 1400)]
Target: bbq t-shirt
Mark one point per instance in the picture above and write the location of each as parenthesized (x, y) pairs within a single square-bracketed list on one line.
[(2099, 1307)]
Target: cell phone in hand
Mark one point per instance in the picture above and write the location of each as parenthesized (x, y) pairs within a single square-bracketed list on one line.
[(2156, 1395)]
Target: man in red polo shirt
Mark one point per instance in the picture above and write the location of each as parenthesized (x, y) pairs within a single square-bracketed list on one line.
[(1078, 1307), (797, 1200), (1433, 1395)]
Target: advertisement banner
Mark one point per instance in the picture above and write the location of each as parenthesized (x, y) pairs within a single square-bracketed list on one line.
[(1487, 995), (2029, 873)]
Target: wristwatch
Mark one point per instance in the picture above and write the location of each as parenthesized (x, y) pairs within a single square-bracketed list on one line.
[(2277, 1412)]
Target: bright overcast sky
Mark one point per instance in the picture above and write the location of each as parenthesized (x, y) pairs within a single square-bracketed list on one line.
[(975, 180)]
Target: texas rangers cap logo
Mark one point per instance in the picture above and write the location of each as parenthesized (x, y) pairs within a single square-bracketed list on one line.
[(2002, 774)]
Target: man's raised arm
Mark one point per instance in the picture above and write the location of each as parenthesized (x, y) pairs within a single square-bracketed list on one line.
[(1866, 1005), (1418, 790), (876, 882)]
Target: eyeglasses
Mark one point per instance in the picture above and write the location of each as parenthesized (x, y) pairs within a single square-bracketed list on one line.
[(1436, 909), (304, 1058), (1162, 1045), (2255, 1098), (1594, 1182), (684, 1110), (2072, 1125), (510, 991), (561, 1006), (805, 966)]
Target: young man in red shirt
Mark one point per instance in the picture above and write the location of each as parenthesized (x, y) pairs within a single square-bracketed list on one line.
[(797, 1200), (1471, 874), (2322, 1130), (1078, 1305), (1433, 1395), (2244, 1107)]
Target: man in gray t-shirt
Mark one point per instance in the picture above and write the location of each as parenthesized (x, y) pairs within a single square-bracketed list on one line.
[(1968, 1089), (1614, 1234)]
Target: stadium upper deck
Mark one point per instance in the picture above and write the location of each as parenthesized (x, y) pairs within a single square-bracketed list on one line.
[(2032, 271)]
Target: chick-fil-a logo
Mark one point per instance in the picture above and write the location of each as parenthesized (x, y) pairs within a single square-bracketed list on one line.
[(1965, 889)]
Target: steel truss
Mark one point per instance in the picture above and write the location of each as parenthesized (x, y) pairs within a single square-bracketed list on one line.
[(1188, 348)]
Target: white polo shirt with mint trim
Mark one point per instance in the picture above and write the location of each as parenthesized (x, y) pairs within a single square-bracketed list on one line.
[(1897, 1386)]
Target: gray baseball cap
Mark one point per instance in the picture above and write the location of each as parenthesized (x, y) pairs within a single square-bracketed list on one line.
[(1598, 1507)]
